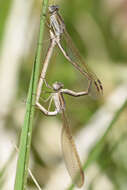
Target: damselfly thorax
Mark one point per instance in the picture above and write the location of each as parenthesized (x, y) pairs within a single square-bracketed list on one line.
[(56, 23)]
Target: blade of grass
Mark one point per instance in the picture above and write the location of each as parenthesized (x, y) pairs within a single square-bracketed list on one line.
[(94, 153), (25, 141), (3, 15), (96, 150)]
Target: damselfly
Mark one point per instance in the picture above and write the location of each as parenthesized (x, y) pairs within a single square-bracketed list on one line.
[(70, 154), (58, 33)]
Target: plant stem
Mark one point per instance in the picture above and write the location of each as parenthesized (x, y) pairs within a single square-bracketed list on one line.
[(25, 141), (96, 150)]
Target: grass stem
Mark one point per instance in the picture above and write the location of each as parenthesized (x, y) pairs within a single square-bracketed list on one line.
[(26, 134)]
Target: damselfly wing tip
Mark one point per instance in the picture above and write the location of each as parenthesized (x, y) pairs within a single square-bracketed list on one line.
[(71, 156), (79, 181)]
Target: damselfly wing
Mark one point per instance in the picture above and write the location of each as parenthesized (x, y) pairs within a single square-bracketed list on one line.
[(77, 58), (70, 154)]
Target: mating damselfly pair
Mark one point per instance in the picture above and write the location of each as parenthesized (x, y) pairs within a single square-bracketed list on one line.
[(58, 32)]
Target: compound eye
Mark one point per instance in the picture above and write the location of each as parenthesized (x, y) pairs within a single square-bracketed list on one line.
[(57, 86), (53, 8)]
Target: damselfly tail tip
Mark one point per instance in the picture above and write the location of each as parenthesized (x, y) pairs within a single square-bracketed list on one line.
[(99, 86)]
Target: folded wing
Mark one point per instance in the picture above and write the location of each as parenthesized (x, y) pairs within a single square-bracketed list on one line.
[(70, 154)]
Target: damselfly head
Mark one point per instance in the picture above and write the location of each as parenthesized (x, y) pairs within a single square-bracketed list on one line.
[(53, 8), (57, 86)]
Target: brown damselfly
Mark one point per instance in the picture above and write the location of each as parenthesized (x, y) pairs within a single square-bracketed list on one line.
[(69, 150), (58, 33)]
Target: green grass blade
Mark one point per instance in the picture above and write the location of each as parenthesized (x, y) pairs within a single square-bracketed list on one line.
[(96, 150), (5, 9), (25, 141), (93, 155)]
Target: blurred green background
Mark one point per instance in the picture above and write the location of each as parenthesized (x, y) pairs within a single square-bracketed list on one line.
[(99, 30)]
